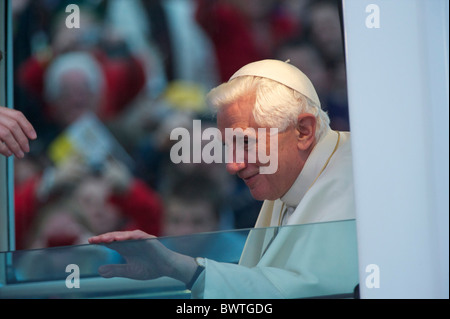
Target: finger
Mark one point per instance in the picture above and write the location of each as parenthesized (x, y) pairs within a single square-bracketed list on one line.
[(26, 126), (20, 142), (15, 131), (12, 134), (21, 120), (4, 150), (119, 236), (7, 138), (104, 238)]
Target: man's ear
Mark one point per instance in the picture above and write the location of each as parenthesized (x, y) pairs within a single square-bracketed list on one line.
[(306, 131)]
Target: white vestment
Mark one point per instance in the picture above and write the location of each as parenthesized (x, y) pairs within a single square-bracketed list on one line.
[(317, 258)]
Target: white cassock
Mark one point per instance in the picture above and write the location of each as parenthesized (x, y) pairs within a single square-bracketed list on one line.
[(315, 259)]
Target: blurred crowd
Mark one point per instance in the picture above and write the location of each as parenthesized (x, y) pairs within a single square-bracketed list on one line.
[(141, 68)]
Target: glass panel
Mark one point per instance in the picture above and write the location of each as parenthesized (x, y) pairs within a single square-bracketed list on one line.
[(155, 59), (7, 241), (316, 260)]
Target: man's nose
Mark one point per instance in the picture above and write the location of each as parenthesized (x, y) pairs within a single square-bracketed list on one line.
[(234, 167)]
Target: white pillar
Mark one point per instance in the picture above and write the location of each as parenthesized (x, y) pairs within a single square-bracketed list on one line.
[(397, 69)]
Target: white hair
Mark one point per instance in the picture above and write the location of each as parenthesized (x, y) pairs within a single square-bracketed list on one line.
[(73, 61), (276, 105)]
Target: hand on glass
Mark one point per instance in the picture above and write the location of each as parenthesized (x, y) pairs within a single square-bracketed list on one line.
[(145, 259), (15, 132)]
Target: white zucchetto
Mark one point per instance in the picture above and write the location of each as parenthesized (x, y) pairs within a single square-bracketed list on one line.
[(281, 72)]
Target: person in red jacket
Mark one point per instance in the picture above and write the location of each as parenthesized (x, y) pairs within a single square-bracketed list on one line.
[(244, 31), (112, 198)]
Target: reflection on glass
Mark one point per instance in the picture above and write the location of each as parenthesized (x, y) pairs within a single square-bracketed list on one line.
[(318, 259), (105, 97)]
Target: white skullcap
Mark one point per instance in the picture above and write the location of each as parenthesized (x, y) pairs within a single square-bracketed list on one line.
[(281, 72)]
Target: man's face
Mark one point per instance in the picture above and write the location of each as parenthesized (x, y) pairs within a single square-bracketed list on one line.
[(75, 99), (262, 186)]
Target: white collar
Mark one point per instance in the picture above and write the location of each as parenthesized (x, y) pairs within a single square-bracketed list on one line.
[(316, 161)]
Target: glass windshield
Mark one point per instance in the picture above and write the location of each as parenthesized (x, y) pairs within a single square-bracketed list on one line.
[(317, 260), (105, 84)]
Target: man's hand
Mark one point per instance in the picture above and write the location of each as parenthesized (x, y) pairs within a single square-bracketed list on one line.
[(15, 131), (145, 259), (119, 236)]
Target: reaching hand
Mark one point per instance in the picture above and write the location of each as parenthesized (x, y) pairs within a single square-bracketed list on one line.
[(145, 259), (15, 131)]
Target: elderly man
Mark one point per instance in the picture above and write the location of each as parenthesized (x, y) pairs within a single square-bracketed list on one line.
[(313, 183)]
